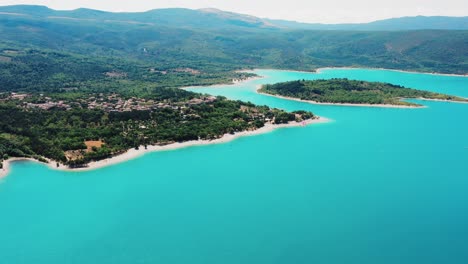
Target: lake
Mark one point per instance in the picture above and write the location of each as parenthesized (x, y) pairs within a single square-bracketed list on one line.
[(374, 185)]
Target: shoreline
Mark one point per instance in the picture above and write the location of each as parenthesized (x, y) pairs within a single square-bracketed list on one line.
[(363, 105), (344, 104), (315, 71), (283, 70), (232, 83), (133, 153), (395, 70), (7, 163), (318, 70), (441, 100)]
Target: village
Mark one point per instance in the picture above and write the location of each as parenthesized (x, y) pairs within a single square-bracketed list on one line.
[(107, 102)]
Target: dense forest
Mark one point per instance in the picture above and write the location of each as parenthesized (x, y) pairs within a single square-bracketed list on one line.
[(82, 85), (61, 135), (42, 70), (173, 39), (351, 91)]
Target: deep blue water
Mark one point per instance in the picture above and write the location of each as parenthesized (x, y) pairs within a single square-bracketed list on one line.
[(375, 185)]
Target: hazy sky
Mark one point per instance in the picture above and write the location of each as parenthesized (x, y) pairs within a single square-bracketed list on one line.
[(325, 11)]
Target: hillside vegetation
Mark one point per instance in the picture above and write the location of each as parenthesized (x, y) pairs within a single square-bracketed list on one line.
[(212, 41), (342, 91), (57, 126), (83, 85)]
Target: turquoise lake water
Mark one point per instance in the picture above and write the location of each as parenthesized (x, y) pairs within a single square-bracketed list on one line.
[(374, 186)]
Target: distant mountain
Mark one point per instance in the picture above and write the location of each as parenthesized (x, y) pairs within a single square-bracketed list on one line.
[(217, 19), (420, 22), (210, 39), (393, 24), (174, 17)]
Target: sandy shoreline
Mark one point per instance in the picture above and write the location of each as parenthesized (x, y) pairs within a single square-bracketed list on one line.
[(441, 100), (340, 104), (318, 70), (233, 83), (133, 153), (395, 70), (320, 103), (361, 105)]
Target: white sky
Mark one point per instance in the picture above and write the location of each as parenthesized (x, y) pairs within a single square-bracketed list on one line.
[(324, 11)]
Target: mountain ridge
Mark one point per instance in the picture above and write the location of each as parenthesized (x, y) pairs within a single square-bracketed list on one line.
[(216, 18), (213, 40)]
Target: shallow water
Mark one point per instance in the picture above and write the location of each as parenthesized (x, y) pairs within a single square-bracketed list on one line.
[(375, 185)]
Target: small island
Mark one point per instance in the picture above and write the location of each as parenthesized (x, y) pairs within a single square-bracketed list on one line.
[(352, 92)]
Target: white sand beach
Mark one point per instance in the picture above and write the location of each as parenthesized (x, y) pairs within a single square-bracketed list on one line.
[(394, 70), (232, 83), (339, 104), (133, 153), (7, 165), (318, 70), (441, 100)]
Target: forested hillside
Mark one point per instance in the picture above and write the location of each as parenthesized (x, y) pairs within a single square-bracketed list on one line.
[(82, 85), (183, 42)]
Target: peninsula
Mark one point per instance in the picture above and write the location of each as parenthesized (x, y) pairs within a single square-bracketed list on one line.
[(73, 131), (352, 92), (109, 83)]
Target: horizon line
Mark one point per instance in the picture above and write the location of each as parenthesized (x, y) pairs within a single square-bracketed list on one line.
[(227, 11)]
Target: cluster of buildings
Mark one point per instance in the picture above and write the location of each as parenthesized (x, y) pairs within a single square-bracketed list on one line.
[(49, 105), (183, 70), (106, 102), (16, 96), (114, 103), (46, 103), (255, 113)]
